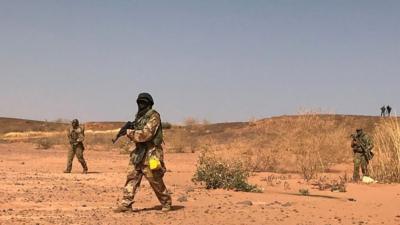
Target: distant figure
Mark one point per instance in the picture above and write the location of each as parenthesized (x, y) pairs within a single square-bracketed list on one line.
[(76, 136), (362, 147), (383, 111), (388, 110)]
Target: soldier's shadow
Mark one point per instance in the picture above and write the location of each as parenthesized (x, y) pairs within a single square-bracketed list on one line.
[(158, 208)]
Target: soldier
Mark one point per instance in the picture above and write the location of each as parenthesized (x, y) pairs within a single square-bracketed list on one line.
[(388, 110), (148, 137), (362, 147), (76, 136), (383, 111)]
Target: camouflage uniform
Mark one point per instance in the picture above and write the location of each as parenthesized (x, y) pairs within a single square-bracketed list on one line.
[(148, 138), (361, 155), (388, 110), (76, 136), (383, 111)]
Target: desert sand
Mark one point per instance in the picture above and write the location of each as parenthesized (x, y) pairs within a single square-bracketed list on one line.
[(34, 190)]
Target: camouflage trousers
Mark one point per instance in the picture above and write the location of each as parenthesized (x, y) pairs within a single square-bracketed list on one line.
[(360, 161), (78, 151), (155, 178)]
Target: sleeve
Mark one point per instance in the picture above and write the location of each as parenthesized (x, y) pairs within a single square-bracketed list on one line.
[(149, 130), (69, 134), (81, 135), (354, 143)]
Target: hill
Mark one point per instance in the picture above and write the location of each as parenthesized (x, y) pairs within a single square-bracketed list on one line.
[(275, 144)]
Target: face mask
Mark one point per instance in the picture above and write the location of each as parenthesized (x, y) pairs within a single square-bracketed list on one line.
[(142, 105)]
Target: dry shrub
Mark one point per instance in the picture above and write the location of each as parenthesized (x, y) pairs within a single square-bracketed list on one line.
[(385, 166), (315, 141), (308, 143), (334, 185), (304, 192), (263, 160), (166, 125), (180, 141), (216, 173), (47, 142), (205, 122), (273, 180), (102, 140), (44, 143), (190, 121)]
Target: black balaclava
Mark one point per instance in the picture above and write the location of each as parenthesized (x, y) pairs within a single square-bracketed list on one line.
[(145, 103)]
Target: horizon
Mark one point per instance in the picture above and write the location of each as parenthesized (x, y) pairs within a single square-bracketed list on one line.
[(199, 122), (216, 61)]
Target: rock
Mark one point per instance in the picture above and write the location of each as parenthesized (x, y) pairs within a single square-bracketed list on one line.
[(368, 180), (351, 199), (287, 204), (248, 203), (182, 199)]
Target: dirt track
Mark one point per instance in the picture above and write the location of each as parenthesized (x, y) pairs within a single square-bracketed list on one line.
[(34, 190)]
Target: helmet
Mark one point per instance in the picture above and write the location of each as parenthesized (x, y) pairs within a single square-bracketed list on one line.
[(75, 122), (146, 97)]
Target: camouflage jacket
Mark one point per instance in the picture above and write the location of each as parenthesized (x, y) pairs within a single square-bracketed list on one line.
[(361, 143), (148, 137), (76, 136)]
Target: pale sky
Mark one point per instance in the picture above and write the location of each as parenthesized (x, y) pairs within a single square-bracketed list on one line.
[(215, 60)]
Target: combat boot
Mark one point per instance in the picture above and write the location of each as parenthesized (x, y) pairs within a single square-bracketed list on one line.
[(122, 209), (166, 208), (67, 171)]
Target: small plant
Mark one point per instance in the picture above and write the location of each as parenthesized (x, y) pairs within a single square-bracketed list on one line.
[(273, 180), (216, 173), (265, 161), (304, 191), (337, 185), (309, 166), (166, 125), (44, 143)]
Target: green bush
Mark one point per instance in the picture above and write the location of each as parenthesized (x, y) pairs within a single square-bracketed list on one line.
[(166, 125), (215, 173)]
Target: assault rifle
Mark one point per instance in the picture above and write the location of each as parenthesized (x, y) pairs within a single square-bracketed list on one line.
[(367, 150), (123, 130)]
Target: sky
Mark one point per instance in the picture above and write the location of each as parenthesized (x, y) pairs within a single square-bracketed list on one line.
[(214, 60)]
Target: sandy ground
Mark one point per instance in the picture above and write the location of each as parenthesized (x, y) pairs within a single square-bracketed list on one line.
[(33, 190)]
